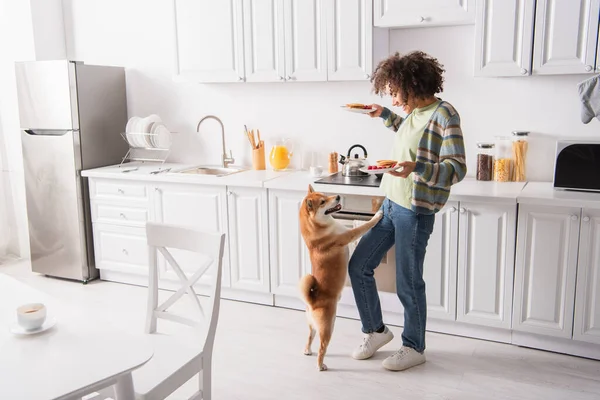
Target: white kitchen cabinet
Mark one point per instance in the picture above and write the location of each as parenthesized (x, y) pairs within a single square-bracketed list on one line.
[(288, 253), (411, 13), (249, 238), (440, 265), (305, 40), (120, 249), (264, 40), (354, 47), (210, 40), (546, 264), (485, 264), (504, 37), (566, 33), (193, 206), (587, 302)]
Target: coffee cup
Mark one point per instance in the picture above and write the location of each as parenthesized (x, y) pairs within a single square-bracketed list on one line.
[(31, 316), (316, 171)]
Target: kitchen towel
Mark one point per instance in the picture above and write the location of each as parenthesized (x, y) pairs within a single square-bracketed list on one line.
[(589, 93)]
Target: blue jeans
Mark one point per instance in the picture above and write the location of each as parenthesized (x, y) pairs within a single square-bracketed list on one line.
[(410, 233)]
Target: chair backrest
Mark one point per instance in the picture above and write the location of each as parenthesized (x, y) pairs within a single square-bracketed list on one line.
[(161, 237)]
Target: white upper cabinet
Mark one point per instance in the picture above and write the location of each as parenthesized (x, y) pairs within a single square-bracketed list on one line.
[(411, 13), (566, 33), (485, 264), (504, 37), (305, 40), (349, 39), (209, 40), (546, 266), (587, 301), (264, 40)]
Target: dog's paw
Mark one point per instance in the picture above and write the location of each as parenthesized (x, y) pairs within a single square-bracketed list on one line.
[(307, 352), (322, 367)]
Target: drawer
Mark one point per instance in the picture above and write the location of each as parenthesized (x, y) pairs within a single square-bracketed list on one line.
[(115, 189), (118, 214), (121, 248)]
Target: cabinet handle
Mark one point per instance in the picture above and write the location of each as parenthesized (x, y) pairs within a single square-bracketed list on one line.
[(125, 252), (123, 216), (121, 191), (240, 79), (586, 219), (367, 76), (281, 78), (422, 19), (463, 210), (574, 217), (452, 209), (523, 71), (291, 78), (229, 193), (588, 68)]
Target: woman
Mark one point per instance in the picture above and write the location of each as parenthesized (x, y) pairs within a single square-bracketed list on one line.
[(428, 145)]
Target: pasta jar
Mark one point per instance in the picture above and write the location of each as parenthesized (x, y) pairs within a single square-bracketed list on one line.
[(519, 155), (485, 161), (503, 160)]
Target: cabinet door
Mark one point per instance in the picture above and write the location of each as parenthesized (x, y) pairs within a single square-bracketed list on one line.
[(566, 33), (289, 254), (248, 238), (198, 207), (547, 242), (349, 40), (405, 13), (587, 302), (504, 37), (439, 269), (264, 42), (485, 264), (305, 40), (209, 40), (121, 249)]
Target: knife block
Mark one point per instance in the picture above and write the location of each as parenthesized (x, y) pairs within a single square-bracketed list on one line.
[(258, 158)]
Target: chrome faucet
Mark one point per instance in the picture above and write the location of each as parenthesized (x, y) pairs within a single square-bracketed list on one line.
[(224, 159)]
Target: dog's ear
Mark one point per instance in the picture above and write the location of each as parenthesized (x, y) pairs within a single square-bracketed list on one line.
[(309, 204), (310, 188)]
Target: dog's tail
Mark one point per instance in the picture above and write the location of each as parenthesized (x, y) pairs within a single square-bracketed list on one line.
[(308, 289)]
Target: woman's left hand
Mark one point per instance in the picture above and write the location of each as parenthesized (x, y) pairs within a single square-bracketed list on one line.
[(407, 168)]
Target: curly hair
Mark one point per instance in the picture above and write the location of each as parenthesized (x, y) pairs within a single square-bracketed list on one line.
[(415, 74)]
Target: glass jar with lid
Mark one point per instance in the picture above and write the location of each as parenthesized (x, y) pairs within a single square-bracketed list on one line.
[(503, 160), (485, 161), (519, 155)]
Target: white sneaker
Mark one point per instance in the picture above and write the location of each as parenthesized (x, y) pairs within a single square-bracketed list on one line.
[(403, 359), (371, 343)]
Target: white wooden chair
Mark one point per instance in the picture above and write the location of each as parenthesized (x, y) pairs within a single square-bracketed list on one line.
[(176, 361)]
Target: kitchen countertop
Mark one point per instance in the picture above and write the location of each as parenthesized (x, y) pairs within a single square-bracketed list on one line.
[(543, 193), (469, 189), (248, 178)]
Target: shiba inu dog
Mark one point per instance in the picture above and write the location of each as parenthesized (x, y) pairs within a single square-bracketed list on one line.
[(327, 241)]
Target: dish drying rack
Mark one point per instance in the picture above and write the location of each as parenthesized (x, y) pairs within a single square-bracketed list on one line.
[(150, 151)]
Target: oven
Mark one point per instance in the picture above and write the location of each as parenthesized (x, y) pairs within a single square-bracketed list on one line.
[(577, 166)]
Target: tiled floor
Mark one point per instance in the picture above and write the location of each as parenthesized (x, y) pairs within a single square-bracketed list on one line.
[(258, 355)]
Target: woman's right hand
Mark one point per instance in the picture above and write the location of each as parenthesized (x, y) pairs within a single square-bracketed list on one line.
[(377, 112)]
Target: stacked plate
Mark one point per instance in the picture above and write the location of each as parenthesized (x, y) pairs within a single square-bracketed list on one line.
[(148, 133)]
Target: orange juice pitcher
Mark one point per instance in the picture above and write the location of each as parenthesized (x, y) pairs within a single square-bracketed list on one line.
[(281, 154)]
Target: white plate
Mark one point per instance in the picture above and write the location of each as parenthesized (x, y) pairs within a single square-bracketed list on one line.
[(378, 171), (161, 137), (19, 330), (131, 124), (146, 127), (359, 110)]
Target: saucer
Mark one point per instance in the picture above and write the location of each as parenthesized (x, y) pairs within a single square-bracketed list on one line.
[(19, 330)]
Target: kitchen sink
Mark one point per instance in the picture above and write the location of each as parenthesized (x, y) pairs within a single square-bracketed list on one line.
[(212, 170)]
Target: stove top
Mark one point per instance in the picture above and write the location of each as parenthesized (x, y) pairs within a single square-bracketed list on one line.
[(339, 179)]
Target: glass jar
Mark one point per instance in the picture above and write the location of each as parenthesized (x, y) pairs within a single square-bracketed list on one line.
[(503, 160), (519, 155), (485, 161)]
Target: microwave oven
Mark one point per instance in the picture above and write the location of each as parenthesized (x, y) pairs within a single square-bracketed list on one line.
[(577, 166)]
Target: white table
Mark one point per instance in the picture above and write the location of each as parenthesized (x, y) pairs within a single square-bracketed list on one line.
[(78, 355)]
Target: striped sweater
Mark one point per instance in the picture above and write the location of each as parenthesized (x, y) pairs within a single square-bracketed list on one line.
[(440, 160)]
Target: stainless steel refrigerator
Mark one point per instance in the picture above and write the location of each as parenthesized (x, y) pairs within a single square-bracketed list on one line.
[(71, 115)]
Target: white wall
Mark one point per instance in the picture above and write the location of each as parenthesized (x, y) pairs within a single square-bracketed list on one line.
[(139, 35)]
